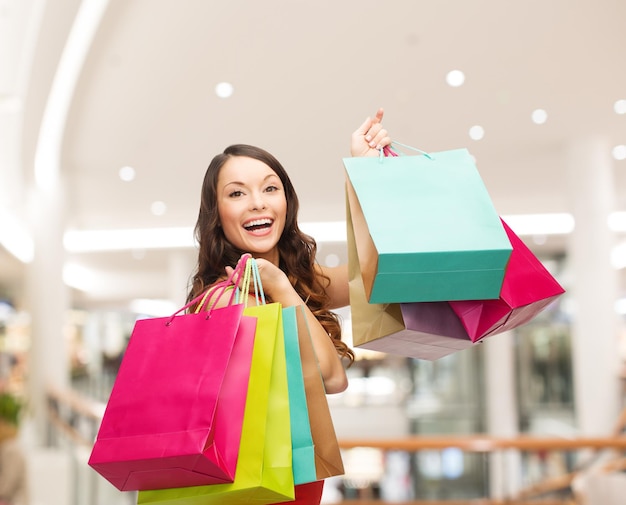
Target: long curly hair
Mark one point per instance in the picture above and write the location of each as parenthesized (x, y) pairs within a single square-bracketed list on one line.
[(297, 250)]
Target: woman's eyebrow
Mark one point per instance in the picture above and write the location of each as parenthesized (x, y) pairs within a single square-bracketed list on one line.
[(272, 176), (240, 183)]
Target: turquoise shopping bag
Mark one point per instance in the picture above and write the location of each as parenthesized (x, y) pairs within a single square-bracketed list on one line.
[(425, 228), (301, 438)]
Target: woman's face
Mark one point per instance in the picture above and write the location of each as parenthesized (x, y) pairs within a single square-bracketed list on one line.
[(252, 206)]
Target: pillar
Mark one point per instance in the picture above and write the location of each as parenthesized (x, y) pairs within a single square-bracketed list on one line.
[(502, 413), (594, 287), (48, 302)]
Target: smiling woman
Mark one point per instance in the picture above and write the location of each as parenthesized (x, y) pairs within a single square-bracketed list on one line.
[(249, 205)]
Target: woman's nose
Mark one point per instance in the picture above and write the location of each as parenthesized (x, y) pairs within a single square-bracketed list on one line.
[(258, 202)]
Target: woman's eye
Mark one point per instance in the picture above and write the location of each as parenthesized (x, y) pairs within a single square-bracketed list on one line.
[(269, 189), (235, 194)]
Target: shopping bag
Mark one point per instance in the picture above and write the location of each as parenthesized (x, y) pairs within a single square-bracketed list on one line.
[(411, 329), (425, 228), (328, 461), (175, 413), (425, 330), (264, 471), (528, 288), (301, 438)]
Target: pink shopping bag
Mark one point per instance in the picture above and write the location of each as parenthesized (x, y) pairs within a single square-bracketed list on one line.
[(175, 413), (528, 288)]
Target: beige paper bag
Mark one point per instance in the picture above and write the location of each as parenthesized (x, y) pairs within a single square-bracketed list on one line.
[(382, 327), (328, 462)]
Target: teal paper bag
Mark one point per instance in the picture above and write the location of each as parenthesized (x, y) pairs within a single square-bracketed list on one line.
[(301, 438), (425, 228)]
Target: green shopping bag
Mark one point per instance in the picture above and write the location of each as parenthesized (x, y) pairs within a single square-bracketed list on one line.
[(264, 472), (301, 439), (425, 228)]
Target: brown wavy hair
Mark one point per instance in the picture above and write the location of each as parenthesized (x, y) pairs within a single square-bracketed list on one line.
[(297, 250)]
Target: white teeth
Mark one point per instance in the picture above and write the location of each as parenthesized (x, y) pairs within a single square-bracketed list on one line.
[(258, 222)]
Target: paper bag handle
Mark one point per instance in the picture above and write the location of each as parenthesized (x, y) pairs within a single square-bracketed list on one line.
[(388, 151), (233, 281), (251, 276), (204, 298)]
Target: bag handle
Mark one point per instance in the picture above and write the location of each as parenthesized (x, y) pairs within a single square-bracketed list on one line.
[(251, 276), (204, 298), (388, 151), (234, 281)]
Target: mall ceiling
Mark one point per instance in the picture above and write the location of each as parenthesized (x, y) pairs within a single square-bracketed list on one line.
[(305, 75)]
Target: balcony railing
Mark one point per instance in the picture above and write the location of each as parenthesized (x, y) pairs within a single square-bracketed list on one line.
[(77, 419)]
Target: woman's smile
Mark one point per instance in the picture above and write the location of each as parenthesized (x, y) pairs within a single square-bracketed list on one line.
[(259, 226)]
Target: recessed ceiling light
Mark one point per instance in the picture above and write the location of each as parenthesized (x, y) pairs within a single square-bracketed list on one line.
[(151, 307), (332, 260), (455, 78), (158, 208), (540, 224), (329, 231), (128, 239), (127, 173), (476, 132), (619, 152), (539, 116), (620, 107), (224, 89)]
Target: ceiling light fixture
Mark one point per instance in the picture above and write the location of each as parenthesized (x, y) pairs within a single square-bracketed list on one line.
[(618, 256), (476, 132), (79, 277), (158, 208), (541, 224), (127, 174), (332, 260), (332, 231), (152, 307), (619, 152), (224, 89), (617, 221), (620, 107), (620, 306), (539, 116), (78, 241), (455, 78)]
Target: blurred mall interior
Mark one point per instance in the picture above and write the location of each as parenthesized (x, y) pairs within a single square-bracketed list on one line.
[(110, 111)]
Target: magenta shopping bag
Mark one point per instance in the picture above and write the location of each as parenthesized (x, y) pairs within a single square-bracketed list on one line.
[(528, 288), (175, 413), (264, 468)]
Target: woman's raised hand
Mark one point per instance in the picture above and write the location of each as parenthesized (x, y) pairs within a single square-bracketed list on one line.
[(370, 137)]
